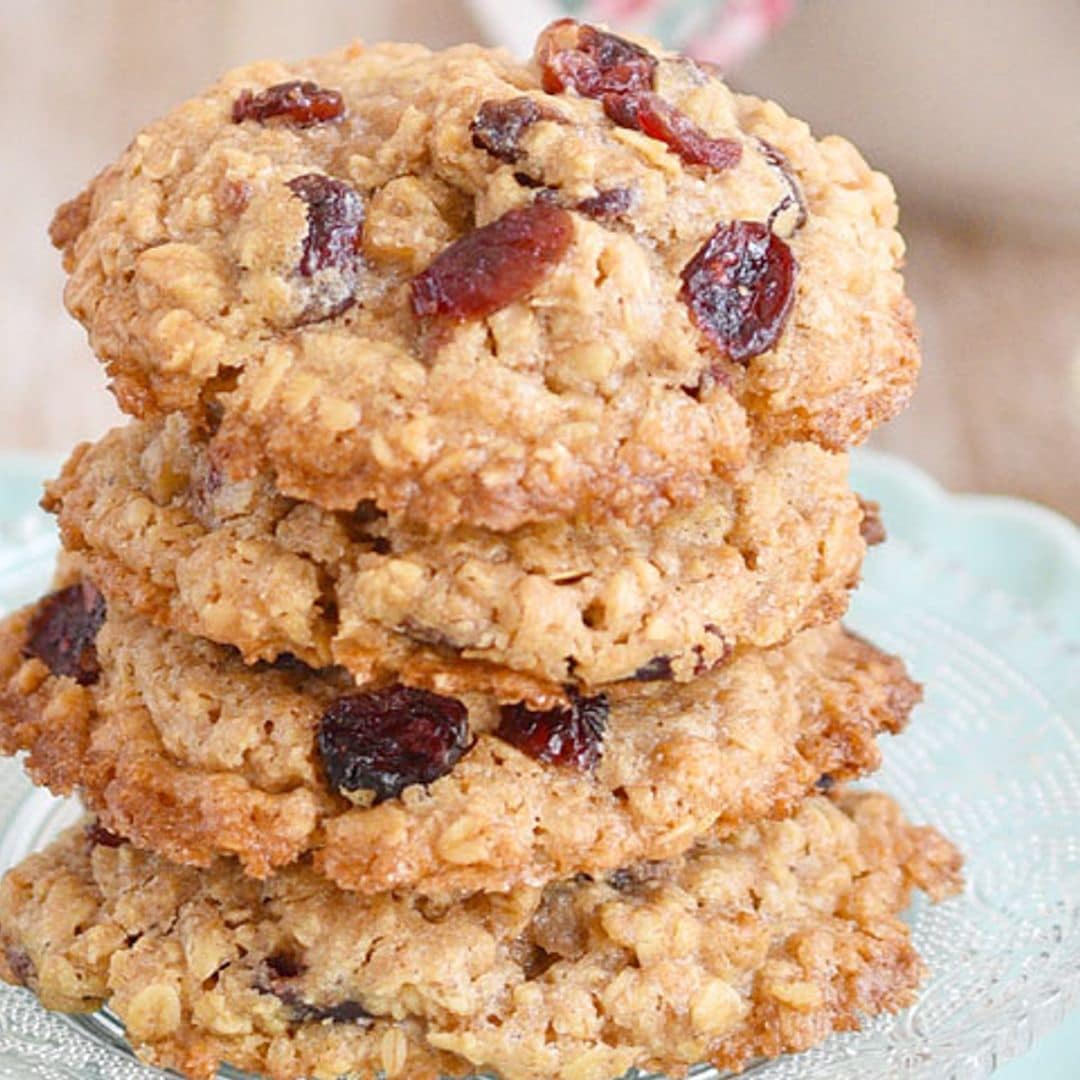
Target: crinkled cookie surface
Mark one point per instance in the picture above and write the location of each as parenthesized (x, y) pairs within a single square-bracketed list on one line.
[(489, 292), (162, 530), (747, 946), (177, 744)]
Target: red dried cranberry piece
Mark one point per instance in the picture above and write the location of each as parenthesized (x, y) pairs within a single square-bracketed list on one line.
[(331, 252), (98, 835), (494, 265), (498, 126), (608, 204), (591, 61), (702, 667), (284, 965), (637, 876), (657, 669), (653, 116), (64, 629), (871, 527), (778, 161), (385, 740), (297, 103), (739, 288), (571, 735)]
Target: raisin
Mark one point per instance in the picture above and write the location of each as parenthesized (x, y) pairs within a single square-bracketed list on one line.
[(570, 735), (871, 527), (64, 629), (607, 204), (658, 668), (825, 782), (344, 1012), (795, 198), (384, 740), (284, 966), (296, 103), (650, 114), (366, 511), (591, 61), (330, 257), (99, 836), (632, 877), (494, 265), (19, 963), (739, 288), (499, 125)]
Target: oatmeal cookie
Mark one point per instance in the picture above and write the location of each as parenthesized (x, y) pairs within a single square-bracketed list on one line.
[(181, 747), (162, 530), (481, 291), (747, 946)]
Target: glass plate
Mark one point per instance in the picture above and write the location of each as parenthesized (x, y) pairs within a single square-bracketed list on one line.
[(981, 596)]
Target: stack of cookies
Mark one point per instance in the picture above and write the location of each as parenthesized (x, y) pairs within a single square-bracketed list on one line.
[(448, 649)]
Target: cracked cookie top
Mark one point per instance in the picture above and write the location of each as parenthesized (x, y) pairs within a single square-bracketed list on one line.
[(481, 291)]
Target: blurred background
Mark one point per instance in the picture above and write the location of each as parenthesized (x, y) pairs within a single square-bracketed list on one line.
[(971, 106)]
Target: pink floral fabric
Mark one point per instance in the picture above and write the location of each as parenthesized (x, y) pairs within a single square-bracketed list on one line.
[(722, 31)]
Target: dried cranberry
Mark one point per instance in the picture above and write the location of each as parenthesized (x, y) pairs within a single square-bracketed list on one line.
[(64, 629), (591, 61), (280, 970), (284, 965), (653, 116), (778, 161), (494, 265), (657, 669), (871, 527), (289, 663), (571, 735), (330, 256), (19, 963), (299, 104), (628, 878), (499, 125), (99, 836), (712, 377), (385, 740), (739, 288), (607, 204)]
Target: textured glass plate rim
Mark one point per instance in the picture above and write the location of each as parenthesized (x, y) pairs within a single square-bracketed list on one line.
[(1031, 555)]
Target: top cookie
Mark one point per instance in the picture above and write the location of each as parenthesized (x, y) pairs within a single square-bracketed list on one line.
[(481, 291)]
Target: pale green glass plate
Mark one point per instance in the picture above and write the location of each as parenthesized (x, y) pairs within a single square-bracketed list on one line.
[(982, 597)]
